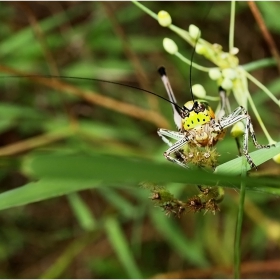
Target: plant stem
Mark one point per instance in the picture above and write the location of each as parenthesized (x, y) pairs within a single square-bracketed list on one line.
[(266, 62), (231, 27), (195, 65), (270, 140), (261, 86), (145, 9), (237, 251)]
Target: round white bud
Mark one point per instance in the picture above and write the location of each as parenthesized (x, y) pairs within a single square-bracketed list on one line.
[(200, 49), (215, 74), (194, 32), (164, 18), (234, 51), (199, 91), (229, 73), (238, 129), (277, 158), (170, 46), (227, 84)]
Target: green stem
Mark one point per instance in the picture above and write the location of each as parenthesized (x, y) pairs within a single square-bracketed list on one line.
[(261, 86), (211, 98), (237, 242), (270, 140), (148, 11), (231, 27), (266, 62), (195, 65), (181, 32)]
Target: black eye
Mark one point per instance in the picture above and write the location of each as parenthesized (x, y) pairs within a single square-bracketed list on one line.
[(198, 107)]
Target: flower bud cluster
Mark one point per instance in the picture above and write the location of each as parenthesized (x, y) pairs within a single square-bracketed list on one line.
[(224, 77)]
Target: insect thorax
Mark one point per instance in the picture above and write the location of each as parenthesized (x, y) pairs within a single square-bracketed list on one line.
[(199, 115), (205, 135), (200, 125)]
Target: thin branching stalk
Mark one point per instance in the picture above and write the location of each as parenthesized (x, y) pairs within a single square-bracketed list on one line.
[(262, 87), (270, 140), (195, 65), (145, 9), (237, 249)]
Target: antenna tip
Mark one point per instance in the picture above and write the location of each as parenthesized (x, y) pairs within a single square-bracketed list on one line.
[(161, 71)]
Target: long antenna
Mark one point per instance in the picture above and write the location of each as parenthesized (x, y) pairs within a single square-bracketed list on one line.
[(93, 79), (192, 56), (177, 110)]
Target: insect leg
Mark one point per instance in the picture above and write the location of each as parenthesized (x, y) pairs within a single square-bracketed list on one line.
[(245, 144), (239, 114), (169, 133), (225, 109), (174, 148)]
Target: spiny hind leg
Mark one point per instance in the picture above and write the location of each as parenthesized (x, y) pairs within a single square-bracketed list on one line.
[(249, 129), (174, 148), (245, 146), (249, 126), (237, 115)]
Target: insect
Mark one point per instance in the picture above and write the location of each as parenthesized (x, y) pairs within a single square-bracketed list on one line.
[(196, 122), (197, 126)]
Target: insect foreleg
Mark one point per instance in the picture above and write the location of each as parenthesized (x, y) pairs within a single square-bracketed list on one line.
[(182, 140), (171, 134)]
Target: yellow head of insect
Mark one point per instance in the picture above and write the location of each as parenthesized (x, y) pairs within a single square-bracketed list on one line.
[(200, 114)]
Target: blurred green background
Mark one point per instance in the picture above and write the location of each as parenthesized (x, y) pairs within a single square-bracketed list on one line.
[(114, 231)]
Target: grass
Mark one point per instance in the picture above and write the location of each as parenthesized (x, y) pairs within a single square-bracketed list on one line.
[(73, 152)]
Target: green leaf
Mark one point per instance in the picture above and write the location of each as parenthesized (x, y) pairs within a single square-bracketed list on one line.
[(43, 189), (260, 156), (82, 212), (63, 174), (121, 246), (122, 205), (178, 240)]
